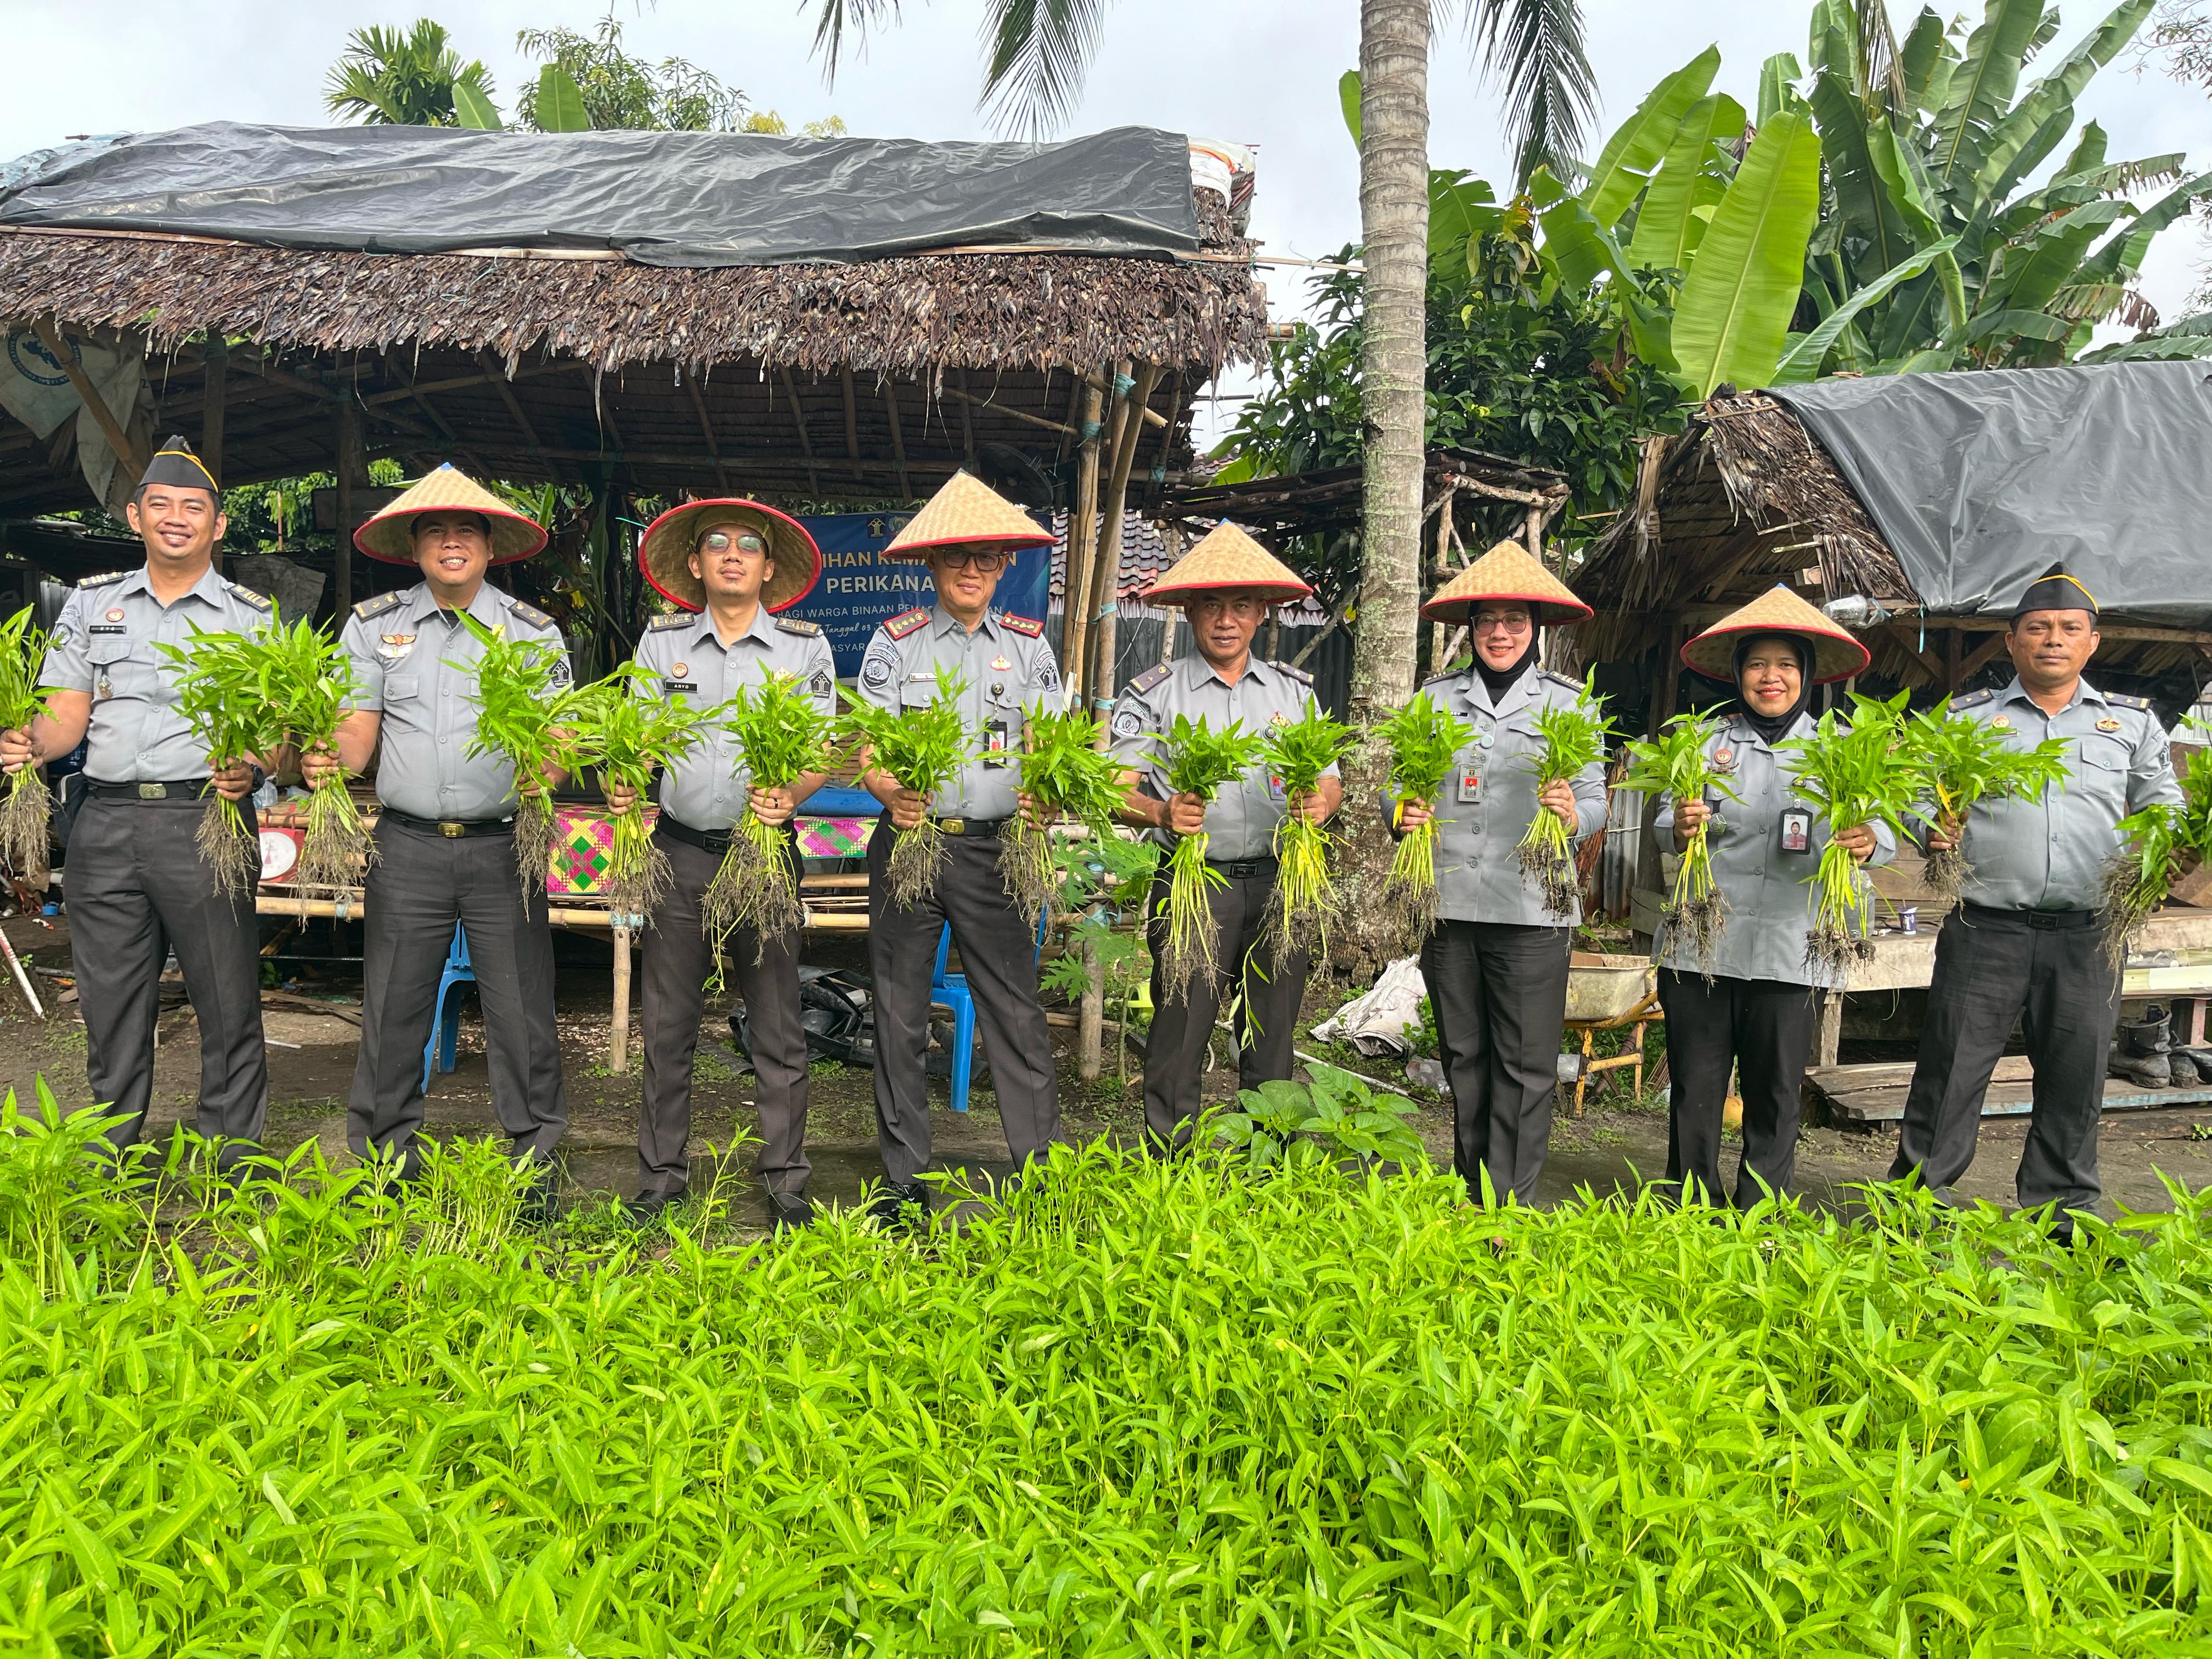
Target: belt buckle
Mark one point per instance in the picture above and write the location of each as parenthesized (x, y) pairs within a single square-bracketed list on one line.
[(453, 831), (953, 826), (153, 792)]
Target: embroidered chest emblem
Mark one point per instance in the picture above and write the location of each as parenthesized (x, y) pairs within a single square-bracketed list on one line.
[(1723, 758), (680, 670), (392, 647), (115, 615), (999, 665), (2002, 723), (2108, 724)]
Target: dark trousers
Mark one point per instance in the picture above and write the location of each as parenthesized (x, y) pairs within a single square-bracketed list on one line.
[(1993, 968), (420, 886), (1266, 1024), (997, 953), (672, 996), (1763, 1029), (137, 890), (1499, 994)]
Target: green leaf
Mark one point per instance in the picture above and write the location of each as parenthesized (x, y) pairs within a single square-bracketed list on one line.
[(1667, 226), (1865, 198), (1632, 155), (1460, 208), (2123, 254), (1347, 98), (560, 102), (1801, 362), (1982, 87), (1778, 85), (472, 109), (1926, 56), (2022, 137), (1733, 313)]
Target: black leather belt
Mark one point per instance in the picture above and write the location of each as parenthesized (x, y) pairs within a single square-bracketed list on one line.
[(181, 789), (707, 840), (1243, 869), (971, 826), (2043, 922), (451, 829)]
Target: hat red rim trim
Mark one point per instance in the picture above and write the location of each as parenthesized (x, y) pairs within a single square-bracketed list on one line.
[(646, 570)]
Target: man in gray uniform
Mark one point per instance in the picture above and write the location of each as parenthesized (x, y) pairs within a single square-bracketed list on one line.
[(445, 838), (967, 535), (1226, 585), (1497, 965), (136, 885), (2025, 943), (739, 562)]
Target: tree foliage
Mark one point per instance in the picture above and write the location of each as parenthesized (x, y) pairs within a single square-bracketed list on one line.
[(620, 90), (390, 77)]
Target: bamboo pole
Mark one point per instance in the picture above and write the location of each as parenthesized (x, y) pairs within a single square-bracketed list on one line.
[(1106, 567), (348, 447), (215, 365), (618, 1034), (1082, 536)]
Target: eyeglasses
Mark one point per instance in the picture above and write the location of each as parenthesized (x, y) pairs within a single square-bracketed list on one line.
[(721, 541), (967, 558), (1493, 622)]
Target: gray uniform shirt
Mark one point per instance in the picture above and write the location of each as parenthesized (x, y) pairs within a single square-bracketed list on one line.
[(707, 788), (2051, 855), (1007, 667), (1241, 819), (1769, 902), (1490, 800), (104, 644), (404, 649)]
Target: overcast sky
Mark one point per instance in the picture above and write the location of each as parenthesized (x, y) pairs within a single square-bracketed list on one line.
[(1259, 72)]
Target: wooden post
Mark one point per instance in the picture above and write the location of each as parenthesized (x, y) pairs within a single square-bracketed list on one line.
[(117, 435), (348, 445), (1090, 1018), (214, 368), (1953, 646), (618, 1038), (1081, 538), (1106, 569), (1172, 535), (1829, 1043)]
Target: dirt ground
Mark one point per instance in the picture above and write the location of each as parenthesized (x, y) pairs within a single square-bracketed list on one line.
[(1618, 1142)]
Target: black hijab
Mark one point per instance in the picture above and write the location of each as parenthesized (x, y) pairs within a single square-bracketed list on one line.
[(1771, 727), (1499, 680)]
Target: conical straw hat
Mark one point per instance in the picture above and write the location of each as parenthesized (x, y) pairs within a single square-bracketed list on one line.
[(1508, 571), (391, 534), (1836, 654), (967, 512), (664, 552), (1227, 559)]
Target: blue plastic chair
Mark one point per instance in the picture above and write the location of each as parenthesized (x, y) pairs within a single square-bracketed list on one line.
[(951, 990), (443, 1049)]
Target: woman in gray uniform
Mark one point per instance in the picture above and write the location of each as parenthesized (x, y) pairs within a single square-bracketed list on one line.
[(1751, 1004)]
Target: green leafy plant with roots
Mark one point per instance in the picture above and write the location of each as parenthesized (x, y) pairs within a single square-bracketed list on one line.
[(1574, 736), (1425, 741), (1675, 766), (921, 749), (783, 735), (522, 704), (1066, 776), (1198, 760), (623, 726), (221, 695), (1329, 1120), (1856, 772), (29, 804), (1965, 761), (1297, 754), (2160, 844), (306, 677)]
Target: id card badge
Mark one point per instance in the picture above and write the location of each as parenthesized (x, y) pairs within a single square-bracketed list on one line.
[(1470, 788), (1276, 792), (994, 744), (1796, 829)]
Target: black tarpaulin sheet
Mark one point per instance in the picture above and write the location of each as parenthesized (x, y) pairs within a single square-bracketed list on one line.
[(1981, 481), (662, 198)]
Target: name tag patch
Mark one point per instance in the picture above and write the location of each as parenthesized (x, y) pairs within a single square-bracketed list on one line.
[(674, 686), (107, 627)]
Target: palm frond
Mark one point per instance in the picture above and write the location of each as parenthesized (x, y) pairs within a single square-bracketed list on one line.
[(1039, 52), (1881, 68), (834, 19), (1535, 47)]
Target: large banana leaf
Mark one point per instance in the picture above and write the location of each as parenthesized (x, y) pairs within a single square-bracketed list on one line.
[(2035, 268), (1733, 313), (2189, 337), (1982, 87), (1460, 208), (2122, 255), (560, 102), (1871, 212), (1669, 225), (1778, 85), (1634, 153), (1927, 58), (2038, 124), (1802, 360), (472, 109)]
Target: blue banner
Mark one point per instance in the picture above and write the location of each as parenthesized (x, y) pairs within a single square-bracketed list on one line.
[(861, 589)]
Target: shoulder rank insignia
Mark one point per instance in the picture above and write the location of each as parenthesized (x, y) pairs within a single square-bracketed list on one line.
[(903, 624), (2119, 701), (1028, 625), (1290, 672), (103, 581), (798, 625), (1444, 678), (529, 613), (1574, 686), (663, 624), (259, 601), (1145, 681), (1971, 699), (379, 605)]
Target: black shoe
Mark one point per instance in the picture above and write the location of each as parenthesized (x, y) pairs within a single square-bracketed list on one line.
[(789, 1210), (541, 1203), (889, 1208), (647, 1207)]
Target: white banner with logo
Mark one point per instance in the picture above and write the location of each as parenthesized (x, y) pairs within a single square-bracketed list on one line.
[(37, 391)]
